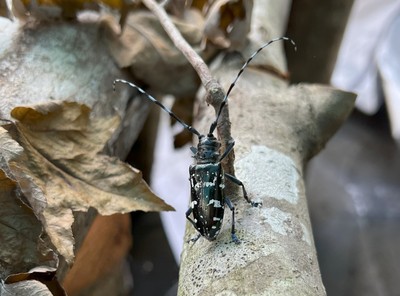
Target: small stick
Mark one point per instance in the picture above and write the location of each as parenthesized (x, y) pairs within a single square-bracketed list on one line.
[(215, 92), (197, 62)]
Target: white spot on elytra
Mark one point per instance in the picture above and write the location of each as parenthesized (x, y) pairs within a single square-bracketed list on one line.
[(208, 184), (217, 203)]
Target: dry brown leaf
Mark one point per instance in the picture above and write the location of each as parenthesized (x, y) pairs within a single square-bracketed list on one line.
[(12, 9), (5, 10), (61, 171), (228, 23), (202, 5), (21, 246), (268, 22), (25, 288), (66, 8), (38, 281), (150, 54)]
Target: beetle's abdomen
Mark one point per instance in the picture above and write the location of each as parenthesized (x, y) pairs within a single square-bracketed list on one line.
[(207, 183)]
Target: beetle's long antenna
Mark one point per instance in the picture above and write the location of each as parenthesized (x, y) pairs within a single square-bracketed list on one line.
[(214, 124), (151, 98)]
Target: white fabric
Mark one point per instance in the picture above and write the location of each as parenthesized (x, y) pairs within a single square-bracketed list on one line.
[(369, 58)]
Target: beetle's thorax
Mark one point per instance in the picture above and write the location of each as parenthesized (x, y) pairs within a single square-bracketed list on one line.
[(208, 149)]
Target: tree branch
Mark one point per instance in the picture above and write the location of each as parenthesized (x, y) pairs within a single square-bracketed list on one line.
[(278, 129), (215, 93), (194, 59)]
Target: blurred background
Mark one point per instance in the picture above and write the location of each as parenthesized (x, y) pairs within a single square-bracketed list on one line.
[(353, 185)]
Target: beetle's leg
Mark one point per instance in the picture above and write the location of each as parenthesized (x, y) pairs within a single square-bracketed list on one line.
[(246, 197), (188, 212), (193, 149), (233, 232), (194, 239)]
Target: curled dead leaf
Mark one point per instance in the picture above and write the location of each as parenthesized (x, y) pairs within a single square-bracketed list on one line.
[(5, 10), (228, 22), (21, 246), (65, 8), (61, 169), (38, 281), (202, 5), (151, 56), (25, 288)]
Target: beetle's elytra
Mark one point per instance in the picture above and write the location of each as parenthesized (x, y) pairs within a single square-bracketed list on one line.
[(207, 178)]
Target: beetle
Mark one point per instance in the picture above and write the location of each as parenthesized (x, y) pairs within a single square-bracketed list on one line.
[(207, 178)]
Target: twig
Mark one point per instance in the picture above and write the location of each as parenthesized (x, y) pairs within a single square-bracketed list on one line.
[(215, 93), (197, 62)]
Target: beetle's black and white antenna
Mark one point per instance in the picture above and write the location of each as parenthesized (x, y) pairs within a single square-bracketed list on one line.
[(214, 124), (207, 177), (224, 101), (151, 98)]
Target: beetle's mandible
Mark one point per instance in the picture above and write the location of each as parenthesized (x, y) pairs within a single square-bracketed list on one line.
[(207, 178)]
